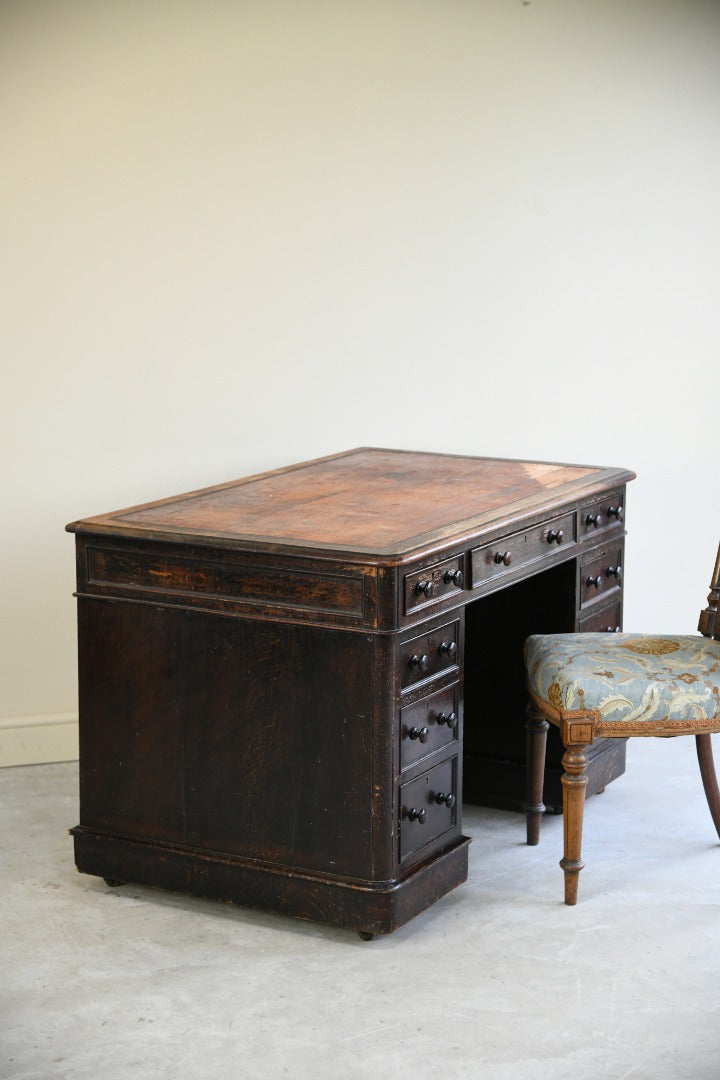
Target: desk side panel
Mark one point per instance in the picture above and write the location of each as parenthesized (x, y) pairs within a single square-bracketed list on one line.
[(230, 735)]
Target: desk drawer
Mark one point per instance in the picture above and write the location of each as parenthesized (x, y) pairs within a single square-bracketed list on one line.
[(213, 581), (604, 513), (428, 724), (608, 620), (429, 654), (433, 584), (428, 807), (500, 558), (601, 576)]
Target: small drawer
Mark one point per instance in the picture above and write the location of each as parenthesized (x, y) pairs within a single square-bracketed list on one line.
[(503, 556), (601, 576), (428, 724), (433, 584), (604, 513), (608, 620), (430, 653), (428, 807)]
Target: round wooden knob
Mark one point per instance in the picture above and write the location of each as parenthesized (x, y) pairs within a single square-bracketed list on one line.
[(504, 557), (424, 588), (594, 520), (555, 536), (448, 648), (615, 571), (417, 815), (421, 734), (454, 577), (447, 718), (448, 800), (596, 581), (616, 512), (420, 661)]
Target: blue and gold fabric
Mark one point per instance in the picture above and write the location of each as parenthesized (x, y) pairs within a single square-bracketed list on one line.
[(627, 684)]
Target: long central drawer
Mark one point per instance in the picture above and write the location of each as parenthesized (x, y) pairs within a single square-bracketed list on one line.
[(503, 557)]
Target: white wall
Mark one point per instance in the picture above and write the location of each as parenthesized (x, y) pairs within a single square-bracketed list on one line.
[(239, 234)]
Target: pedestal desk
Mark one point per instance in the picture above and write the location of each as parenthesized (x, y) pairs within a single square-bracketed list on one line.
[(282, 677)]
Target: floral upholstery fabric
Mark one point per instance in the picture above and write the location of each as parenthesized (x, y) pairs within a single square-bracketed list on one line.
[(625, 678)]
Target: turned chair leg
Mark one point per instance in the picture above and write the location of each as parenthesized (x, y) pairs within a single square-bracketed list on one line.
[(709, 778), (574, 781), (536, 729)]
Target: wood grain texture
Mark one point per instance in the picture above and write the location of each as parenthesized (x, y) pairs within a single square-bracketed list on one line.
[(188, 737)]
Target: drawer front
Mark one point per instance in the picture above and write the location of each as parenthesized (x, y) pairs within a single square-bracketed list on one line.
[(503, 556), (213, 582), (601, 576), (603, 513), (428, 724), (608, 620), (429, 654), (428, 807), (433, 584)]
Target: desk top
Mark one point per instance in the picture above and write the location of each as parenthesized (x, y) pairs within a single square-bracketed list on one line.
[(375, 502)]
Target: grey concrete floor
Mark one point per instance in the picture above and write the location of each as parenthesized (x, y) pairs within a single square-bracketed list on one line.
[(499, 980)]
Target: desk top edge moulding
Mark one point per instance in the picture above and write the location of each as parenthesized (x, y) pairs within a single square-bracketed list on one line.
[(275, 708), (376, 504)]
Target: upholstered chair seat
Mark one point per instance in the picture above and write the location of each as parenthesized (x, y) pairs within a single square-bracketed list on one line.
[(635, 683), (613, 686)]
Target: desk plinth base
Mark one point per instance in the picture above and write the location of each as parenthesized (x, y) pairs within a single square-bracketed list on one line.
[(369, 908)]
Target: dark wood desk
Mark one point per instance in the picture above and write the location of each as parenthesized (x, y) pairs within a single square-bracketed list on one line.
[(281, 677)]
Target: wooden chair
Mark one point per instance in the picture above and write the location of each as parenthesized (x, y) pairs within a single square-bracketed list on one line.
[(615, 686)]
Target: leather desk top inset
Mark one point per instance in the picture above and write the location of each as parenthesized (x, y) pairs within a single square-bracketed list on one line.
[(374, 502)]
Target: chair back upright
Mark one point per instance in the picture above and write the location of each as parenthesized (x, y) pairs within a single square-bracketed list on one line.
[(709, 624)]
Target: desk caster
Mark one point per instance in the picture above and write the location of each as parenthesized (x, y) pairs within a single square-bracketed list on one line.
[(366, 935), (112, 882)]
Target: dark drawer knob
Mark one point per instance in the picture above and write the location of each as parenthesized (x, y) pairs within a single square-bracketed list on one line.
[(555, 536), (504, 557), (421, 734), (448, 800), (449, 718), (454, 577), (615, 571), (420, 661), (417, 815), (616, 512), (594, 520), (596, 581), (447, 648), (424, 588)]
